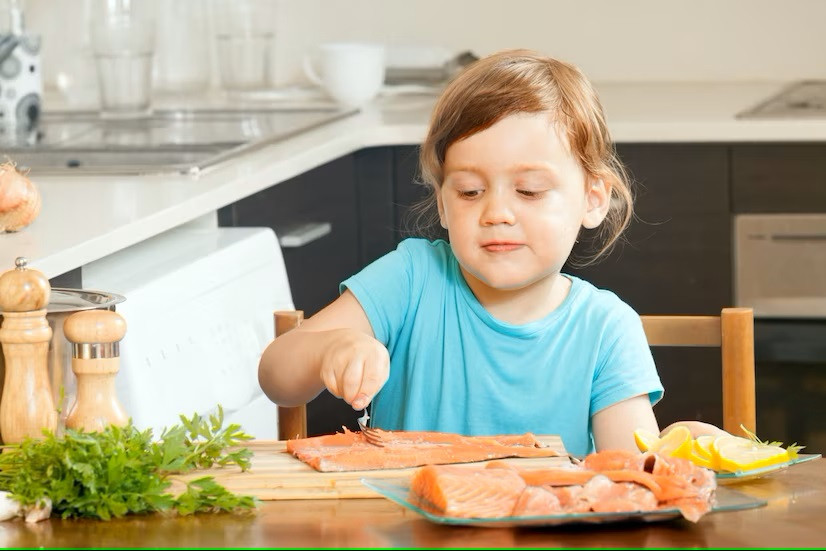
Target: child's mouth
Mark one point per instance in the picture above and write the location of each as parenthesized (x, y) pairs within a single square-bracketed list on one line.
[(501, 246)]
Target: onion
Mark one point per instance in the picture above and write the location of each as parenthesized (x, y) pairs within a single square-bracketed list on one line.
[(19, 199)]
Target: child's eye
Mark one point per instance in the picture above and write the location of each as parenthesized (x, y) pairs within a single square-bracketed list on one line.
[(469, 194), (533, 194)]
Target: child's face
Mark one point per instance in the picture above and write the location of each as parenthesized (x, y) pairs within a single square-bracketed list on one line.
[(513, 201)]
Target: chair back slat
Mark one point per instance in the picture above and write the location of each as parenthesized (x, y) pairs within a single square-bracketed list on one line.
[(733, 332), (682, 330), (292, 421)]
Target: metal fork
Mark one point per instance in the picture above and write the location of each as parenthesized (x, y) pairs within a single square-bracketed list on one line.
[(371, 435)]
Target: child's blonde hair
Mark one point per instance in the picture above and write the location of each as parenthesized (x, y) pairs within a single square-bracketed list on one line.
[(523, 81)]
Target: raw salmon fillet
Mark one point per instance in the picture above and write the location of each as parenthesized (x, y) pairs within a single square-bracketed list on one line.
[(348, 451), (608, 481)]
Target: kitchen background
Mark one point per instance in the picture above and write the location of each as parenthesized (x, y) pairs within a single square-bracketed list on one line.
[(645, 41), (631, 40)]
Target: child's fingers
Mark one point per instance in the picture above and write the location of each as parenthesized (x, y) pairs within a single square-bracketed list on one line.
[(350, 379), (374, 376), (328, 377)]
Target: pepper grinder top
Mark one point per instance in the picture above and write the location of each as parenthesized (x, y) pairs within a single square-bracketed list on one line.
[(23, 289), (95, 333)]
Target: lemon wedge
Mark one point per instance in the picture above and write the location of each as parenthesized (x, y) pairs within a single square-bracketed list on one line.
[(734, 453), (676, 443), (646, 440)]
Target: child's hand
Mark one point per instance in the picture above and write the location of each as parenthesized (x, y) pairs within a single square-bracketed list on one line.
[(697, 428), (354, 366)]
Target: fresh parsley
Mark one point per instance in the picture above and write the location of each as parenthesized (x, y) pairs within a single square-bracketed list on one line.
[(122, 470)]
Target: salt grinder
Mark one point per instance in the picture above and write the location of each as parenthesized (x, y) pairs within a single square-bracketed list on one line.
[(95, 335), (27, 406)]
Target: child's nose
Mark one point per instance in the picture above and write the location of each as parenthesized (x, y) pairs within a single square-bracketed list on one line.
[(497, 210)]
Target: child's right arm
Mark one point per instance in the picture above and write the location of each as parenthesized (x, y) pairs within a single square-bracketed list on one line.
[(335, 349)]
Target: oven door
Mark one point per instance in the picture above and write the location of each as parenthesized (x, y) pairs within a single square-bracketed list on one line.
[(780, 272)]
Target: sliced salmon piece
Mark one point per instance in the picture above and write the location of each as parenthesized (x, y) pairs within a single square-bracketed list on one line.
[(574, 490), (613, 460), (572, 498), (626, 497), (537, 501), (467, 493), (556, 477), (606, 496)]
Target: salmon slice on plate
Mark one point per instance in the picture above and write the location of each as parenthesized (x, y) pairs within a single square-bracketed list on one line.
[(605, 482)]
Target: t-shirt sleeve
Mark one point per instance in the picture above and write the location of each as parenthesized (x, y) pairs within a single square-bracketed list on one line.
[(627, 367), (383, 289)]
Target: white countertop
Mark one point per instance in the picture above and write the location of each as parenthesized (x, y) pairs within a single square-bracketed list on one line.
[(85, 218)]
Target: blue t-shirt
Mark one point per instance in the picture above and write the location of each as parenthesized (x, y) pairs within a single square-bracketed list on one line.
[(456, 368)]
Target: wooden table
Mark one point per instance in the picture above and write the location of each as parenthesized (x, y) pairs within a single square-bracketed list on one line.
[(795, 516)]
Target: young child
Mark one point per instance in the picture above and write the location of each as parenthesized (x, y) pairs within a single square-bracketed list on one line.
[(484, 335)]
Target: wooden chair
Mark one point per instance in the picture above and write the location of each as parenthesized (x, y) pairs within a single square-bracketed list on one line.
[(733, 332), (292, 422)]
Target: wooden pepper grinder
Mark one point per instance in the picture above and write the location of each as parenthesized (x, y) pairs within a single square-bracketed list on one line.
[(95, 335), (27, 406)]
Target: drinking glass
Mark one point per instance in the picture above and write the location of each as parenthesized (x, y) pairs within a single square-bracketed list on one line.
[(244, 40), (123, 43)]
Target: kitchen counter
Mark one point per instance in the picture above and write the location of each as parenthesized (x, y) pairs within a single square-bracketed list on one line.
[(87, 217)]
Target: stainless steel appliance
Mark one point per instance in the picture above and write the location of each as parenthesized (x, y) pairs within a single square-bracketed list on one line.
[(780, 264), (183, 141), (780, 271)]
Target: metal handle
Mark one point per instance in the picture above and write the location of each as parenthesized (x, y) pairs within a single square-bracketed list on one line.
[(304, 234), (799, 237)]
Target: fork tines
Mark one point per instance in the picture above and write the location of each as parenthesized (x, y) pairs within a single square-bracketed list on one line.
[(371, 435)]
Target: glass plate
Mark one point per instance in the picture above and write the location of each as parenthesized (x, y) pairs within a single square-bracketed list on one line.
[(742, 476), (398, 490)]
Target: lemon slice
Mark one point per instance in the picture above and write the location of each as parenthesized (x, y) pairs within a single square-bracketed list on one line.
[(701, 453), (701, 461), (676, 443), (702, 445), (741, 454), (646, 440)]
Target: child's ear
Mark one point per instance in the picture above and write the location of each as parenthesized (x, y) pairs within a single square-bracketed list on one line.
[(597, 203), (442, 220)]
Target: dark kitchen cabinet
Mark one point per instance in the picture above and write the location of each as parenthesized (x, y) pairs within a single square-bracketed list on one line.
[(676, 259), (778, 178)]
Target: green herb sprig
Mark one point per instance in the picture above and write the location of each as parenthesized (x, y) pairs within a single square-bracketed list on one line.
[(121, 470), (791, 449)]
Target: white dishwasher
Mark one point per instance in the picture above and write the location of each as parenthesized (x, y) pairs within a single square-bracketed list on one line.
[(199, 313)]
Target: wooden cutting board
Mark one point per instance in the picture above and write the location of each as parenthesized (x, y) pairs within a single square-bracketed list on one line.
[(276, 474)]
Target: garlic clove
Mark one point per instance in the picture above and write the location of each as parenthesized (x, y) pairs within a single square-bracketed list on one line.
[(9, 507), (39, 511)]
